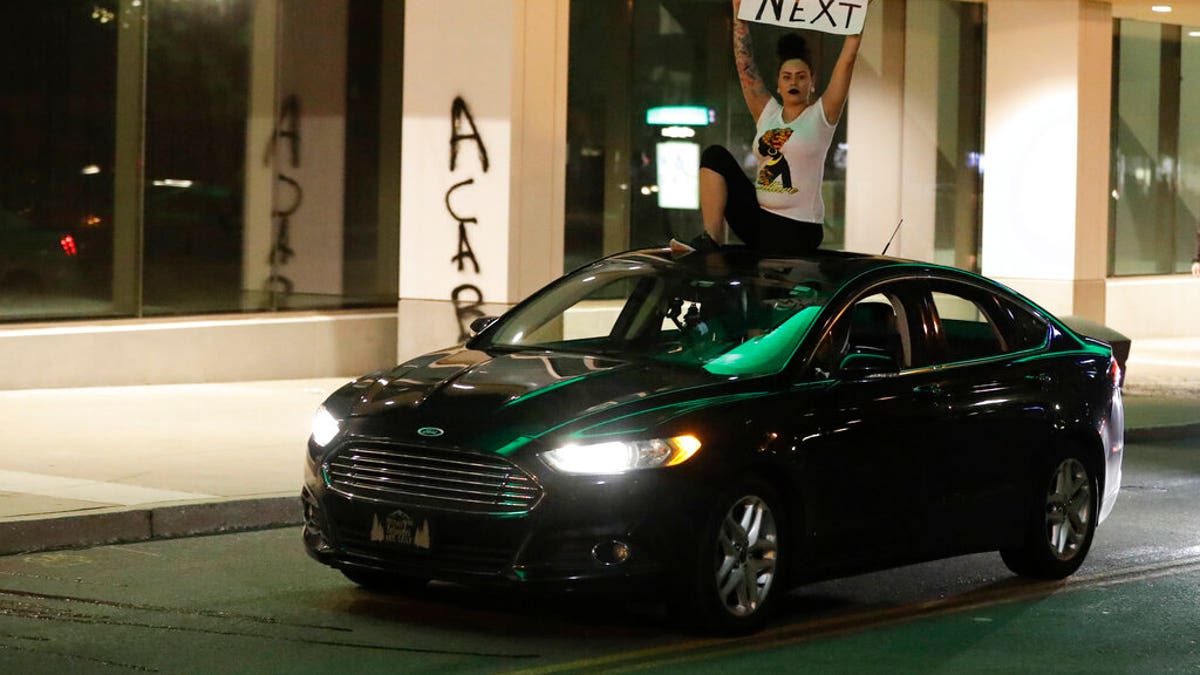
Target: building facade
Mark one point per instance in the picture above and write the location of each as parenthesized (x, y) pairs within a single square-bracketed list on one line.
[(214, 190)]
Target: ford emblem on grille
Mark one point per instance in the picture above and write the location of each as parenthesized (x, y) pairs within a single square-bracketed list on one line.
[(430, 432)]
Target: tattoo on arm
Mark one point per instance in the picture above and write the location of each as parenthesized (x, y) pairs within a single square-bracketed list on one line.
[(743, 54)]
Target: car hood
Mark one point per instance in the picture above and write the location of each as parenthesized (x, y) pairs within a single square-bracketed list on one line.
[(473, 399)]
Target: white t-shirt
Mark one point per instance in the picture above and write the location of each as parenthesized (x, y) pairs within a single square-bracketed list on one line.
[(791, 161)]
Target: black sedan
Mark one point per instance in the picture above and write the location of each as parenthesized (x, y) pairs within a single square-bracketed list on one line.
[(721, 426)]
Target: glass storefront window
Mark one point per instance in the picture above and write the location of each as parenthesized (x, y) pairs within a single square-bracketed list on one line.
[(1155, 197), (57, 142), (168, 157), (197, 86)]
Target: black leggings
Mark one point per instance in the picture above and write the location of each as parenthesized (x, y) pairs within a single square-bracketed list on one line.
[(760, 229)]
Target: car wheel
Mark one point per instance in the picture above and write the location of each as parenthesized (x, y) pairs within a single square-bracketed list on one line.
[(1061, 523), (384, 582), (735, 578)]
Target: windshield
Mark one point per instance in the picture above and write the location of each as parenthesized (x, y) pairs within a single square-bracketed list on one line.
[(747, 322)]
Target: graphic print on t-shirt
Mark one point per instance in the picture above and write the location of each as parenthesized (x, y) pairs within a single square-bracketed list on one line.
[(770, 145)]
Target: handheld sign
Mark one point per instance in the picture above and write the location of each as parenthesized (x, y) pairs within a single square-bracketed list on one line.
[(843, 17)]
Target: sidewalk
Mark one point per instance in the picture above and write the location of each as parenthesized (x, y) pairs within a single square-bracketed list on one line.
[(1162, 390), (88, 466), (94, 465)]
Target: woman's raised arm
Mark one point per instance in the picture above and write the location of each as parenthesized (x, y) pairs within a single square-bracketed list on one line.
[(753, 88), (835, 94)]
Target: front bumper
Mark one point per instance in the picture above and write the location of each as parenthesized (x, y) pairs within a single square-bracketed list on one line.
[(572, 537)]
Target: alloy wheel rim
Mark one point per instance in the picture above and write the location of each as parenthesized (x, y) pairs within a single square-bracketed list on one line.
[(1068, 509), (747, 550)]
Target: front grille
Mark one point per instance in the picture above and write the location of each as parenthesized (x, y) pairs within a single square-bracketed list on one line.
[(433, 478)]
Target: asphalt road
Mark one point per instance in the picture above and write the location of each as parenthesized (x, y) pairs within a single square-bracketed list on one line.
[(253, 602)]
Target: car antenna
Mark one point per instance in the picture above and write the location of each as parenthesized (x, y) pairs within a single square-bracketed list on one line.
[(889, 244)]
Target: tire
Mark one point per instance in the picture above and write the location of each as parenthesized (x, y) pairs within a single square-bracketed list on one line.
[(384, 582), (1061, 521), (734, 579)]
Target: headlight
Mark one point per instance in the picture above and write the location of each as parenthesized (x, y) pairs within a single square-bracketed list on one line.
[(324, 427), (621, 456)]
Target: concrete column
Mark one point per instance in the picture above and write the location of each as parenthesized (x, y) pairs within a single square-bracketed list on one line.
[(1046, 139), (960, 132), (316, 80), (483, 161), (128, 178), (920, 125), (539, 146), (391, 112), (874, 131), (296, 146), (260, 125), (618, 132)]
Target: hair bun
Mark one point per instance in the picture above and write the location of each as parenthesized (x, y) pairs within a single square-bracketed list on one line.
[(793, 46)]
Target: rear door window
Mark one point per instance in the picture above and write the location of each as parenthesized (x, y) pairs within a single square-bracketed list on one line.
[(968, 332), (977, 324)]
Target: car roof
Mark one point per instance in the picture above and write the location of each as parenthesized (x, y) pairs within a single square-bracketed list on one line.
[(833, 268)]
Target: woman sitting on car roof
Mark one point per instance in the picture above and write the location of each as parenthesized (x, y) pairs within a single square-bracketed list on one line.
[(782, 210)]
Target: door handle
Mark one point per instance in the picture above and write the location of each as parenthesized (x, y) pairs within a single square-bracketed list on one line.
[(1041, 379), (927, 392)]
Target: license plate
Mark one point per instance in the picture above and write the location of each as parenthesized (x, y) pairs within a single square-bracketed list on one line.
[(401, 528)]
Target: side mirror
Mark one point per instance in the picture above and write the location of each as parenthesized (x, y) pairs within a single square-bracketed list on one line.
[(479, 325), (860, 366)]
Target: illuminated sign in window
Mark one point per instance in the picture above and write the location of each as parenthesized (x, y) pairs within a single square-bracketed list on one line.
[(678, 164), (680, 115)]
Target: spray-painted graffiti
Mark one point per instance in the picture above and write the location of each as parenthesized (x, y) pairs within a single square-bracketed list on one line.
[(458, 113), (466, 309), (287, 130), (466, 298), (465, 252)]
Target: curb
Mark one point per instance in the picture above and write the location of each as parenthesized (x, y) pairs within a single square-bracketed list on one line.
[(1164, 432), (163, 522)]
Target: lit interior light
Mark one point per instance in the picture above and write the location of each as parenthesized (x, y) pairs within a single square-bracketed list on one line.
[(90, 170), (1161, 9), (678, 132), (975, 159), (1116, 195), (1194, 33), (173, 182), (91, 220)]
